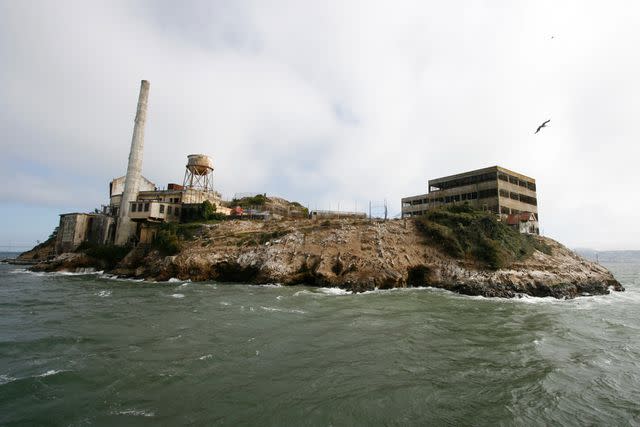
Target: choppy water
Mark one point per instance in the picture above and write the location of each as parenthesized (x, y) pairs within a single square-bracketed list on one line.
[(89, 350)]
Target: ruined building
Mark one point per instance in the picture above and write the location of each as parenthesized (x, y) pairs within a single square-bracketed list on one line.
[(135, 203), (495, 189)]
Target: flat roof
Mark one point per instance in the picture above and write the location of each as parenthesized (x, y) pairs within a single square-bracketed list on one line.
[(480, 171)]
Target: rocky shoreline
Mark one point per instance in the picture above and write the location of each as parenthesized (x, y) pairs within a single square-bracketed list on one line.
[(355, 255)]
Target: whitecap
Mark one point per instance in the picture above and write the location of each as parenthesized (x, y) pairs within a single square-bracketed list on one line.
[(135, 413), (104, 293), (49, 373), (5, 379), (205, 357), (283, 310), (304, 292), (120, 279), (334, 291), (177, 295), (79, 272)]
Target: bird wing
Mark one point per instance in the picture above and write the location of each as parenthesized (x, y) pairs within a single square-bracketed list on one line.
[(546, 122)]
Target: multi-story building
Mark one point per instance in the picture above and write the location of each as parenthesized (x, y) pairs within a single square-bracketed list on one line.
[(494, 189)]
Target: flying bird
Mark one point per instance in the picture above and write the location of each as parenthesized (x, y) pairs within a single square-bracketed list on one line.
[(543, 125)]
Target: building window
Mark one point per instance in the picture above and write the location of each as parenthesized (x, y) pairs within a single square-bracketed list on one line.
[(169, 210), (485, 194), (177, 212), (146, 207), (161, 208), (133, 207), (139, 207)]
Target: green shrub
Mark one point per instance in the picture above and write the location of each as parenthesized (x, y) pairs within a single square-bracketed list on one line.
[(166, 242), (206, 211), (248, 202), (463, 232)]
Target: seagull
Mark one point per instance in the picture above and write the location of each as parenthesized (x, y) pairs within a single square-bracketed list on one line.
[(543, 125)]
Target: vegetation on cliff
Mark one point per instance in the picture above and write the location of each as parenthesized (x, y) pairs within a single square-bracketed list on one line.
[(465, 233)]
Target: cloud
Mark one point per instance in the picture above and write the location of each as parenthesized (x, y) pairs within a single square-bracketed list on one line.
[(330, 102)]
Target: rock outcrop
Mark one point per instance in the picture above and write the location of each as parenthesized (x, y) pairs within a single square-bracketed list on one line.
[(357, 255)]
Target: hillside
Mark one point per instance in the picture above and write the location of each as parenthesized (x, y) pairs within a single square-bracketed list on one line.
[(360, 255)]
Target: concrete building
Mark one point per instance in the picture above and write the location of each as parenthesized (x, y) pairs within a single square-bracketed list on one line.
[(116, 188), (135, 203), (76, 228), (495, 189)]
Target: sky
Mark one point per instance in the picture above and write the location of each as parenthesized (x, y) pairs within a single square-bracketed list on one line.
[(332, 104)]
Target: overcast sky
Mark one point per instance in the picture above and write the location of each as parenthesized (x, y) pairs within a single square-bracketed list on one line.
[(324, 102)]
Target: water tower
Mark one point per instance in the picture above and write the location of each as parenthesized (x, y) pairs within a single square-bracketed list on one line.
[(199, 173)]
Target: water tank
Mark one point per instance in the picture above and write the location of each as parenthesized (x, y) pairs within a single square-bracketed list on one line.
[(199, 164)]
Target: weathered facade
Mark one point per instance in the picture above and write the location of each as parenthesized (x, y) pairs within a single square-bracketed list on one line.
[(495, 189), (76, 228)]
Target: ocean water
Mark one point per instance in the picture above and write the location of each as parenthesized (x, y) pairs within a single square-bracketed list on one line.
[(87, 349)]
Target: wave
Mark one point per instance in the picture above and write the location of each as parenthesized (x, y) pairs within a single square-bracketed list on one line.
[(5, 379), (179, 296), (49, 373), (134, 413), (78, 272), (283, 310), (121, 279)]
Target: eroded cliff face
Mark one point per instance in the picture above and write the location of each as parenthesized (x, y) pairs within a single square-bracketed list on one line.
[(357, 255)]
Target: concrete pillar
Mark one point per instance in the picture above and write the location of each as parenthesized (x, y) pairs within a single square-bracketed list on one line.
[(127, 228)]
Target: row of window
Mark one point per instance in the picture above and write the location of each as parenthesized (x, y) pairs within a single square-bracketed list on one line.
[(460, 182), (485, 177), (507, 211), (144, 207), (170, 210), (520, 197), (138, 207), (513, 180), (483, 194)]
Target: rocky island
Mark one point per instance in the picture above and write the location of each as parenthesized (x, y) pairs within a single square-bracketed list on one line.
[(454, 248)]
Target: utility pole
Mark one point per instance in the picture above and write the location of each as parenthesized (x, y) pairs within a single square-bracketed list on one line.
[(385, 209)]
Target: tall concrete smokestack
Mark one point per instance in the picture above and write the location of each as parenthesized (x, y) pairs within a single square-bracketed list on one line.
[(127, 228)]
